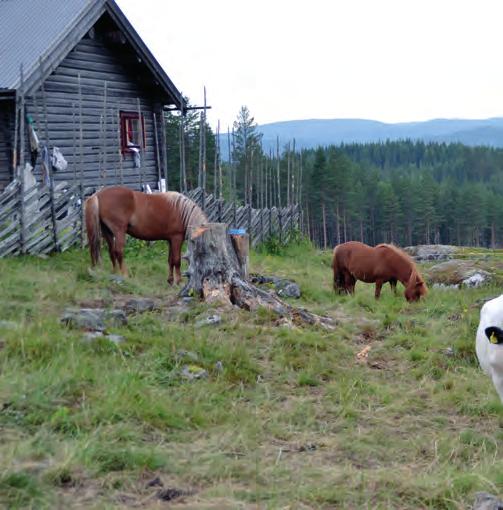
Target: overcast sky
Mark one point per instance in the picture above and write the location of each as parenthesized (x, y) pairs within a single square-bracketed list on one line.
[(388, 60)]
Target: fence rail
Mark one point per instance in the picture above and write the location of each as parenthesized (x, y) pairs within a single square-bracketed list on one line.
[(36, 221)]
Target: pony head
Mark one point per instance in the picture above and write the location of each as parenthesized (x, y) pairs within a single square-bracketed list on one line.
[(415, 287)]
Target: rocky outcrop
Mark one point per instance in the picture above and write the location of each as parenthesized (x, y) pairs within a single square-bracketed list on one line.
[(456, 273), (425, 252)]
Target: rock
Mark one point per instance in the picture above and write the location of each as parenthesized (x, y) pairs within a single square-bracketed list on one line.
[(449, 351), (456, 273), (219, 367), (89, 336), (287, 288), (475, 280), (425, 252), (93, 319), (155, 482), (140, 305), (171, 493), (261, 279), (117, 279), (283, 287), (92, 335), (192, 372), (486, 501), (8, 325), (183, 354), (308, 447), (116, 339), (211, 320)]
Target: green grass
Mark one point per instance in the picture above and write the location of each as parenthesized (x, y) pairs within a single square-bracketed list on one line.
[(293, 419)]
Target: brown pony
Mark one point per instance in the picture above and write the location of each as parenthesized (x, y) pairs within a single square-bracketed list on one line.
[(385, 263), (117, 210)]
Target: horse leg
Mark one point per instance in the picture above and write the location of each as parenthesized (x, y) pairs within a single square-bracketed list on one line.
[(349, 282), (177, 257), (118, 249), (378, 289), (170, 263), (109, 238), (392, 284), (352, 284)]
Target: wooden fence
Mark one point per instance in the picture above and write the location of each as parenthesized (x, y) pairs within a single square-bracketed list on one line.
[(260, 224), (41, 219)]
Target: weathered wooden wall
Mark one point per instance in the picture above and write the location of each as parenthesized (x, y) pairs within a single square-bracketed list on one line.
[(6, 131), (97, 61)]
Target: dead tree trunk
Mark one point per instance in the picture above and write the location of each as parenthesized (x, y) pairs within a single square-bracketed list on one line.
[(218, 270)]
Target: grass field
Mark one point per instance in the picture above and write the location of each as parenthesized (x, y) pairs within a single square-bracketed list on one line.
[(293, 420)]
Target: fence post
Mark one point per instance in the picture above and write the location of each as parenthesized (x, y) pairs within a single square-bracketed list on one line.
[(20, 108), (250, 223), (280, 225)]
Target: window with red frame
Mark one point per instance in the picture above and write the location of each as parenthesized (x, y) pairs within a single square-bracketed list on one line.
[(131, 131)]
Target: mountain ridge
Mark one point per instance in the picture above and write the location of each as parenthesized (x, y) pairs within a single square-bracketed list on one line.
[(311, 133)]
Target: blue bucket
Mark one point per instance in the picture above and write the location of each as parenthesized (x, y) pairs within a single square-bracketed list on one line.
[(237, 231)]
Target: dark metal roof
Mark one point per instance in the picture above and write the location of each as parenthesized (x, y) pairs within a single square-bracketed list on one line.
[(31, 30)]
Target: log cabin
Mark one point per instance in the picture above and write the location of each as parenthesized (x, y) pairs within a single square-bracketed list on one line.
[(89, 86)]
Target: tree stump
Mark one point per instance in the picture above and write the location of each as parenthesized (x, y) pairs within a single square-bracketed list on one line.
[(218, 271)]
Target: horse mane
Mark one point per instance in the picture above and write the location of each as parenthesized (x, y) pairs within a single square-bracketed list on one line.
[(397, 250), (191, 214), (403, 255)]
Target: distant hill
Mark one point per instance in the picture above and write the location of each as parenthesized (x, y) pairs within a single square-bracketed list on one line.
[(315, 132)]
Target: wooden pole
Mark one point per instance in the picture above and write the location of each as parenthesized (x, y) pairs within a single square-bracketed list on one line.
[(288, 162), (204, 149), (74, 145), (229, 166), (51, 180), (21, 161), (280, 222), (105, 137), (140, 132), (250, 179), (324, 226), (278, 188), (119, 145), (164, 148), (233, 186), (81, 165), (183, 173), (16, 129), (200, 170), (157, 155), (220, 177)]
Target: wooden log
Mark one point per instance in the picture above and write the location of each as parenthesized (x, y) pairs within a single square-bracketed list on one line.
[(216, 275)]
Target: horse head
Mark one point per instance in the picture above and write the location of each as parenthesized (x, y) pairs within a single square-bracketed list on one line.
[(415, 287)]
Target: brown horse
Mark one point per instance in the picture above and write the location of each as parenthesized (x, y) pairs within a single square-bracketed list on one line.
[(117, 210), (385, 263)]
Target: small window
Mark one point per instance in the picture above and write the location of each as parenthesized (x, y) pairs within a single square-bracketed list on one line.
[(131, 131)]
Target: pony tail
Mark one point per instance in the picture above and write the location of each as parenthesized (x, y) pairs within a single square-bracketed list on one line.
[(93, 227), (337, 276)]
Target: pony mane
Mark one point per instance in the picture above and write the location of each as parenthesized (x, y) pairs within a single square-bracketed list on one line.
[(397, 250), (404, 255), (192, 215)]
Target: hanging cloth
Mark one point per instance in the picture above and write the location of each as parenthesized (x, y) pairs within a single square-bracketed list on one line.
[(58, 162), (45, 166)]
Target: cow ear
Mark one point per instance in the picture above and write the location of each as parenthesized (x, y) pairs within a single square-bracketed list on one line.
[(494, 334)]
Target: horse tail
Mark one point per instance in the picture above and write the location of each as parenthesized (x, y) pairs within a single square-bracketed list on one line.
[(93, 227), (335, 270)]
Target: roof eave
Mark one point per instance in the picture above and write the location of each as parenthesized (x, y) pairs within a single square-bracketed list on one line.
[(142, 50)]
